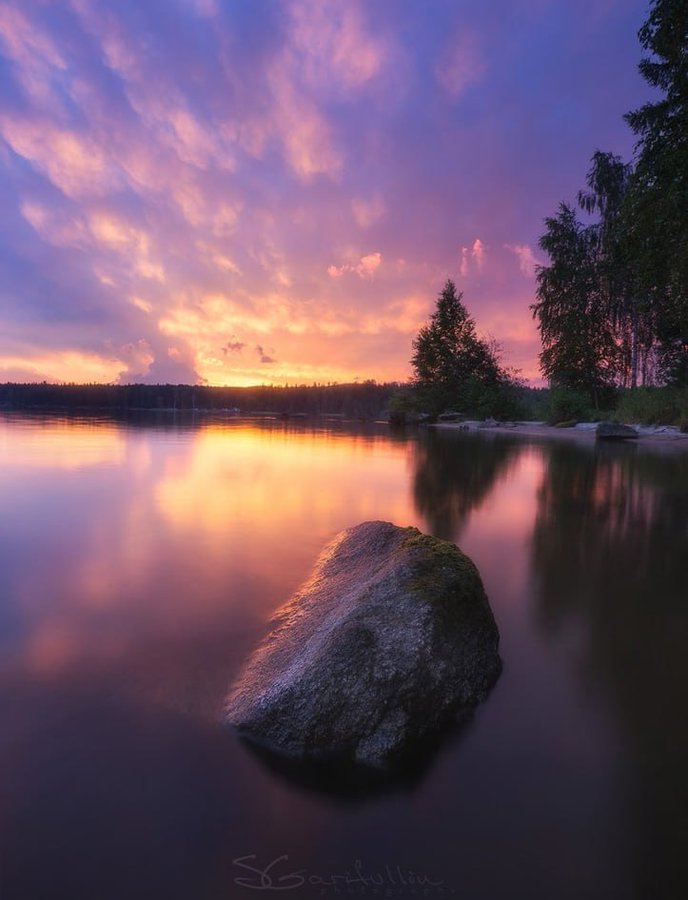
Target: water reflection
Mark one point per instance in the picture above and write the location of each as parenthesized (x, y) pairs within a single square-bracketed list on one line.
[(453, 474), (137, 534), (610, 552), (140, 562), (108, 799)]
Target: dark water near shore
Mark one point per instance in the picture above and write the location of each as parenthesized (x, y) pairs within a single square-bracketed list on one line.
[(139, 562)]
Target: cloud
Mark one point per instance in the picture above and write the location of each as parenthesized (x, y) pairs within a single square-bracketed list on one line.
[(473, 257), (137, 357), (463, 264), (263, 357), (233, 347), (59, 366), (36, 57), (336, 48), (366, 267), (55, 226), (119, 236), (368, 212), (75, 163), (167, 186), (478, 253), (305, 134), (526, 258), (462, 64)]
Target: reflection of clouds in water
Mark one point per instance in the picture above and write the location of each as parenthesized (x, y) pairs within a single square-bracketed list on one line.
[(153, 533), (59, 445)]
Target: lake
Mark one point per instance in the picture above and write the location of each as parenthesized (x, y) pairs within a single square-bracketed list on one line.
[(140, 561)]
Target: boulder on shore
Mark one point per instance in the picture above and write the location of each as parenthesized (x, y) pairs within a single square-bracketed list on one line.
[(613, 431), (391, 635)]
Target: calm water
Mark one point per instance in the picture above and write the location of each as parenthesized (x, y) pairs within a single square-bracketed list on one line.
[(139, 562)]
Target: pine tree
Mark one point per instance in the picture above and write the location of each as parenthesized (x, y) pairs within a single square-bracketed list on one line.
[(453, 367)]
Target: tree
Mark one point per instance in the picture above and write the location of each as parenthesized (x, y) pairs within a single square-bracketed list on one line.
[(612, 307), (578, 347), (659, 195), (453, 367), (609, 191)]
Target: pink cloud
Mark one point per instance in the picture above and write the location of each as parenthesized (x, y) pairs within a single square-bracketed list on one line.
[(75, 163), (368, 212), (472, 258), (462, 64), (35, 55), (463, 264), (304, 133), (366, 267), (335, 48), (478, 254), (526, 258)]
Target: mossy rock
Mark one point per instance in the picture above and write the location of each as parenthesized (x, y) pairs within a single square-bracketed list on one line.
[(390, 637)]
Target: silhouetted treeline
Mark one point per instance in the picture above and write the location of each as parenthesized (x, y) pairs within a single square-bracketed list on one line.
[(366, 400)]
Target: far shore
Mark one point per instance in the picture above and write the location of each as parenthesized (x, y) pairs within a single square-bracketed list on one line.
[(661, 436)]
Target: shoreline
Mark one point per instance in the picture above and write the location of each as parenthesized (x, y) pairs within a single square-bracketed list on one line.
[(648, 436)]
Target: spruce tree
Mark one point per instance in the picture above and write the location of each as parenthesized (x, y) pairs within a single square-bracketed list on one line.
[(454, 368)]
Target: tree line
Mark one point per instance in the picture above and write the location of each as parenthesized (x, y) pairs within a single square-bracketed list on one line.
[(612, 305), (365, 400)]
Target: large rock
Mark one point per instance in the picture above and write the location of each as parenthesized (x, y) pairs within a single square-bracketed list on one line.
[(390, 636), (613, 431)]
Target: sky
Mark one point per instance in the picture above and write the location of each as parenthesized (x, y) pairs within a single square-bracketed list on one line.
[(275, 191)]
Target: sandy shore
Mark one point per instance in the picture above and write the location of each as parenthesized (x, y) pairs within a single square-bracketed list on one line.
[(663, 436)]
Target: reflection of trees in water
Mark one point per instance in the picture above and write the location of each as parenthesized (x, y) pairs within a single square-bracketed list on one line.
[(611, 550), (453, 475)]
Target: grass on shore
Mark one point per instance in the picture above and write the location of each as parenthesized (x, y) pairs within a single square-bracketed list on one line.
[(654, 406), (641, 406)]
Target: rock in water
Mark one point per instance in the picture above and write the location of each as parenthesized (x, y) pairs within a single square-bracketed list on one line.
[(390, 636), (613, 431)]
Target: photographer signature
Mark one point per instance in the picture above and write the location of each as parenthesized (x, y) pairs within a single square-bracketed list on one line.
[(270, 878), (263, 880)]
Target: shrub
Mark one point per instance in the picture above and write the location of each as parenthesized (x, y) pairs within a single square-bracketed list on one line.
[(566, 405), (404, 407), (655, 406)]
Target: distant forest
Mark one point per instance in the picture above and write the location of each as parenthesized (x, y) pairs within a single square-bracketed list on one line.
[(366, 400)]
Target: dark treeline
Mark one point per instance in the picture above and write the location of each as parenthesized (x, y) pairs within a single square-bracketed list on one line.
[(612, 305), (367, 400)]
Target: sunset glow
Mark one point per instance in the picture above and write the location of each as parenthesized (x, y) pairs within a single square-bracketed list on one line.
[(275, 192)]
